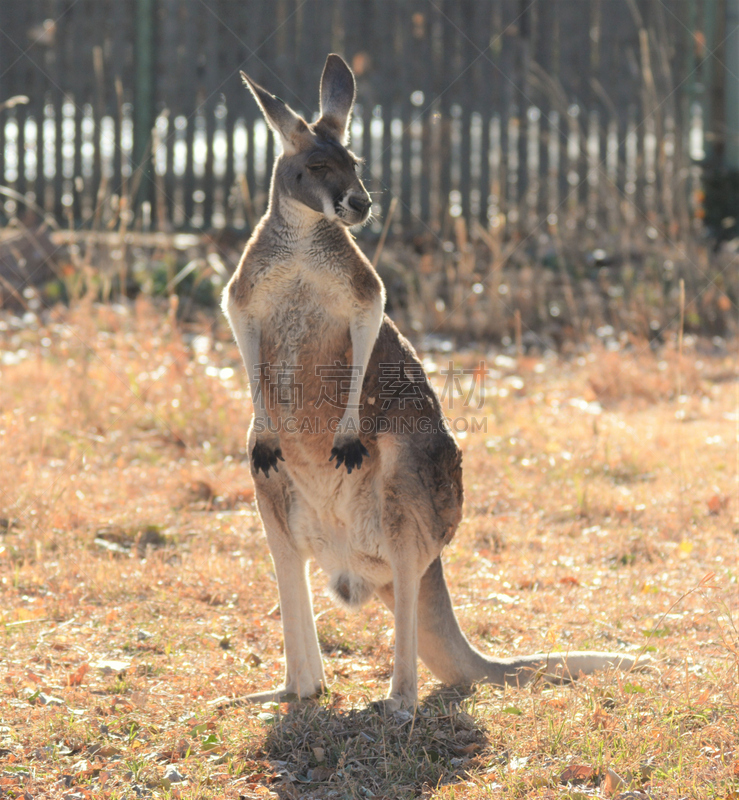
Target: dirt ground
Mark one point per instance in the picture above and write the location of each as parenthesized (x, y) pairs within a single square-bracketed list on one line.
[(602, 511)]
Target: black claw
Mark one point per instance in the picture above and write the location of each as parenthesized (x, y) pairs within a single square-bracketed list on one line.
[(338, 455), (350, 455), (264, 458)]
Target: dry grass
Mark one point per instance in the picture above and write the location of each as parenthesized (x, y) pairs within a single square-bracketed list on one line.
[(598, 502)]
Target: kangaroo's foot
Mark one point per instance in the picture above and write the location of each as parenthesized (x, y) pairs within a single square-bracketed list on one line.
[(389, 705), (282, 694), (395, 702)]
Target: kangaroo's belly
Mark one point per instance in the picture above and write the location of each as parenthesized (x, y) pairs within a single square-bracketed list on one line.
[(343, 534), (306, 374)]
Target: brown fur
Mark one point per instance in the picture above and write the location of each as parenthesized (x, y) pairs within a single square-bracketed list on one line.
[(305, 299)]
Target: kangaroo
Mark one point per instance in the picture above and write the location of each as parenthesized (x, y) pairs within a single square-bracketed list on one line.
[(366, 479)]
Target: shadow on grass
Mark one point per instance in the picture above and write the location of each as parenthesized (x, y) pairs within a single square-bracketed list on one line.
[(323, 752)]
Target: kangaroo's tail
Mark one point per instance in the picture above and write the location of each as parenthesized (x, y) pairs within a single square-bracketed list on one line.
[(447, 652)]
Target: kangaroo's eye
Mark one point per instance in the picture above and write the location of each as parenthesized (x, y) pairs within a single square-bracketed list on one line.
[(317, 167)]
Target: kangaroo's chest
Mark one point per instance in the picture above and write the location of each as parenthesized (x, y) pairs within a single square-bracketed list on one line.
[(300, 305), (304, 314)]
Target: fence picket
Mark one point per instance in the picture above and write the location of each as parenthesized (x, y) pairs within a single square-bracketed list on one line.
[(452, 116)]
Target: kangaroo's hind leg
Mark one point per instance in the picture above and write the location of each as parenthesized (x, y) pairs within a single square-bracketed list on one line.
[(304, 674), (402, 531)]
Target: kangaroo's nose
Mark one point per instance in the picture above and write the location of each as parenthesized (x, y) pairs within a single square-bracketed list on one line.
[(359, 204)]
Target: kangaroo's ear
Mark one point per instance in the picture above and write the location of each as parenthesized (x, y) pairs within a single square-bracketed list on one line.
[(291, 127), (337, 95)]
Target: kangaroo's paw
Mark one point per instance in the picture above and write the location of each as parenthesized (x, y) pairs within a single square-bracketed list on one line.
[(265, 455), (387, 706), (395, 702), (281, 694), (349, 451)]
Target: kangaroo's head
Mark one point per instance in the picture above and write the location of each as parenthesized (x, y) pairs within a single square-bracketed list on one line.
[(315, 168)]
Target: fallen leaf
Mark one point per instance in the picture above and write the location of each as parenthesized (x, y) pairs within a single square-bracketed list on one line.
[(172, 775), (717, 503), (139, 698), (703, 699), (104, 751), (112, 667), (467, 750), (120, 704), (465, 721), (724, 302), (318, 774), (646, 769), (76, 678), (45, 700), (576, 774), (601, 718), (612, 782), (200, 491)]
